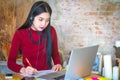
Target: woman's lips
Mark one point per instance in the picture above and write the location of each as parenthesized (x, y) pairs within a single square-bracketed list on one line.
[(41, 27)]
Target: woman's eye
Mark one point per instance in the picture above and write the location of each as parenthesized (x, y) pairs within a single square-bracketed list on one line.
[(40, 19), (47, 20)]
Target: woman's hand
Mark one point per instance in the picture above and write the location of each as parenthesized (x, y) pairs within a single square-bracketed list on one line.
[(28, 70), (57, 67)]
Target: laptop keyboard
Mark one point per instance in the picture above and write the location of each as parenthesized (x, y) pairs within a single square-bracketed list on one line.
[(60, 77)]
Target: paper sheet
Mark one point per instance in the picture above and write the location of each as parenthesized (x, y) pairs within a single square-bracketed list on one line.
[(43, 72), (40, 73)]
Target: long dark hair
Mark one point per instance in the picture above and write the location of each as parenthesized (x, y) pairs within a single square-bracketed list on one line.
[(38, 8)]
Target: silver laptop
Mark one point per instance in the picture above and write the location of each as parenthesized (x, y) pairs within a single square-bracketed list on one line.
[(80, 64)]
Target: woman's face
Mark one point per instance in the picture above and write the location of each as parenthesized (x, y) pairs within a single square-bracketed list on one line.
[(41, 21)]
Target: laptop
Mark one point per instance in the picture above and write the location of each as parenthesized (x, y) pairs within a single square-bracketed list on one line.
[(81, 62), (79, 66)]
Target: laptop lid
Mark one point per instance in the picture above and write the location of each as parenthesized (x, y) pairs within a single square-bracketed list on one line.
[(80, 62)]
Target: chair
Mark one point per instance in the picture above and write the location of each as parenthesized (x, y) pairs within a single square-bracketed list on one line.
[(118, 60)]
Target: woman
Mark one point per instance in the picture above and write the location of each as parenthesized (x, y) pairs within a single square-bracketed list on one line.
[(37, 40)]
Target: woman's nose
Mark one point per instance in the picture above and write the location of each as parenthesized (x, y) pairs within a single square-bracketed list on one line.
[(43, 23)]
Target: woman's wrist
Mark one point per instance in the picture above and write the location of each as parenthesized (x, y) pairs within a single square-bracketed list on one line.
[(22, 70)]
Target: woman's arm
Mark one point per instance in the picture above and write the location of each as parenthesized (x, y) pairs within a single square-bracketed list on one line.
[(15, 44), (55, 54)]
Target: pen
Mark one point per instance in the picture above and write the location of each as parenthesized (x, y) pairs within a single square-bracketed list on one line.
[(28, 61)]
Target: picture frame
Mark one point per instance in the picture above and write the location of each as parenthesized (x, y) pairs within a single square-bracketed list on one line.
[(98, 64)]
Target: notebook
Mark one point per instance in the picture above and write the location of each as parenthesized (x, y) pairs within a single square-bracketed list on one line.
[(80, 65)]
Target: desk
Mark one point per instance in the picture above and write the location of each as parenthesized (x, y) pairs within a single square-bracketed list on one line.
[(17, 76)]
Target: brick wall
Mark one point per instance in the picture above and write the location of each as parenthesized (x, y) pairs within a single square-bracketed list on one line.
[(82, 23)]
